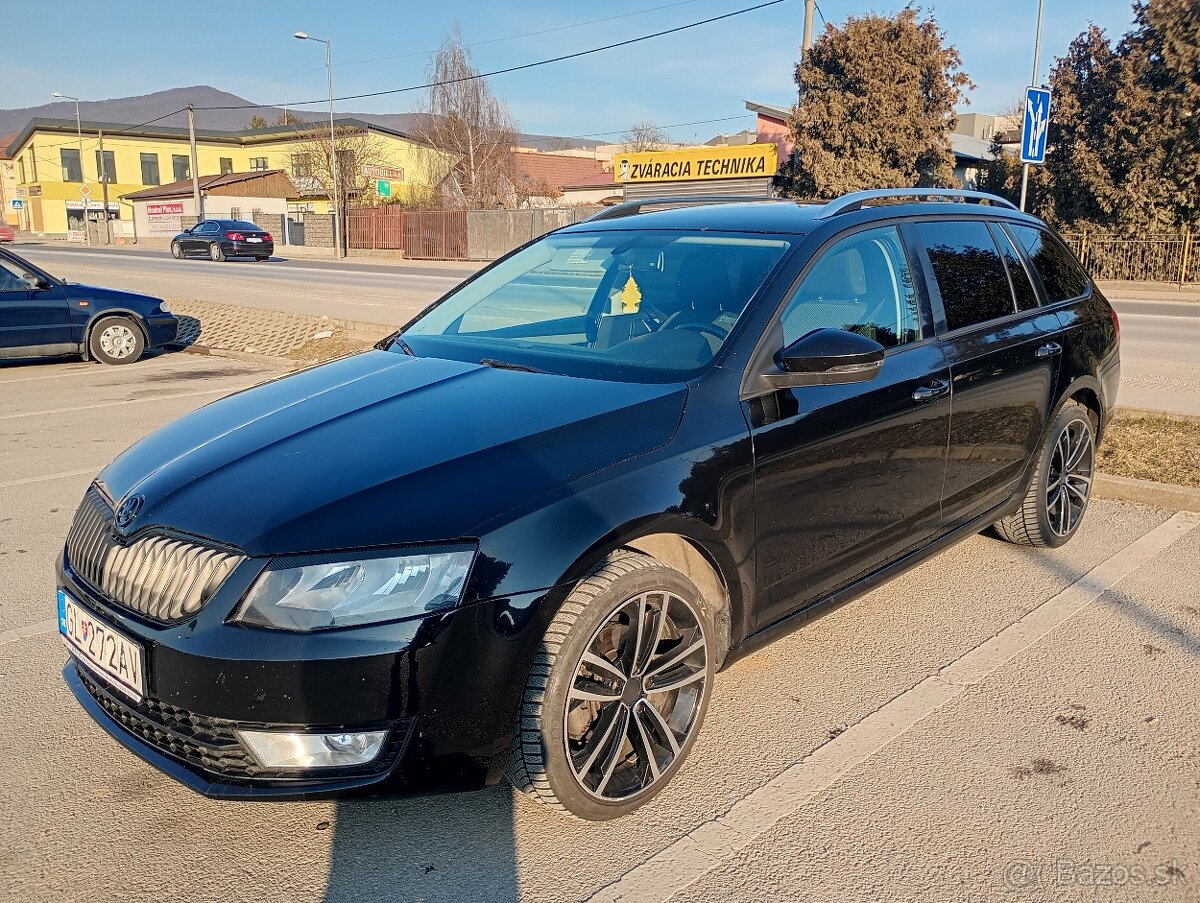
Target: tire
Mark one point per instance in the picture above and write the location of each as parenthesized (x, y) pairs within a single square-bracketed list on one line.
[(565, 753), (215, 252), (1056, 502), (116, 340), (176, 251)]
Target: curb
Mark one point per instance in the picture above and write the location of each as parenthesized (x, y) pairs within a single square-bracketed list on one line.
[(1147, 492), (282, 363)]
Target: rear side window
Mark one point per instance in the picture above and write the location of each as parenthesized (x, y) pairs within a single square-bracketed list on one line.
[(1062, 277), (1022, 287), (969, 272), (862, 284)]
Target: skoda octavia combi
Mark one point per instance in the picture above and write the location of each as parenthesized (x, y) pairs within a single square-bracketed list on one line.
[(524, 534)]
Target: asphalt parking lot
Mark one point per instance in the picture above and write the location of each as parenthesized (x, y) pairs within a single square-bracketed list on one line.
[(997, 724)]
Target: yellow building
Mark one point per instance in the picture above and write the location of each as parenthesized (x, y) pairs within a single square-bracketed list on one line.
[(57, 176)]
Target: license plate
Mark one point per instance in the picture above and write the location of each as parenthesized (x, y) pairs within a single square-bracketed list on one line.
[(254, 241), (110, 654)]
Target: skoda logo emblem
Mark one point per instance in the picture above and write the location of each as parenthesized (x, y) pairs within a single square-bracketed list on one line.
[(129, 510)]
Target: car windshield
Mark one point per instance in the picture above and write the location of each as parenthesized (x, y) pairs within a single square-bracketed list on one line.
[(629, 306)]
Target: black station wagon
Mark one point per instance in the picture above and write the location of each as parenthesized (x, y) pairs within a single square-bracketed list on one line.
[(523, 534)]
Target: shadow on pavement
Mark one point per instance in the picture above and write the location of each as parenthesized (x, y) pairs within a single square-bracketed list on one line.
[(453, 847)]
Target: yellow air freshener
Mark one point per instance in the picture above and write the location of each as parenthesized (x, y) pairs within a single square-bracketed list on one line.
[(631, 296)]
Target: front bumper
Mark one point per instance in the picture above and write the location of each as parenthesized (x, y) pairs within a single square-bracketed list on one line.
[(447, 688), (162, 330)]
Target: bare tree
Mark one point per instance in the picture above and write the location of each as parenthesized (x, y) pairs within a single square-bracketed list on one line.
[(644, 136), (472, 128), (361, 155)]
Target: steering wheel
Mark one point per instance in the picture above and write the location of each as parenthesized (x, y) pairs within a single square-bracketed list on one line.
[(711, 328)]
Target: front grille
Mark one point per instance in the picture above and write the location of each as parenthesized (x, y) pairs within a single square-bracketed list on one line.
[(161, 577), (210, 744), (194, 739)]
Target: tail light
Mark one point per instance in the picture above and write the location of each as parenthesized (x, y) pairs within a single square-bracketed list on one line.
[(235, 236), (1116, 322), (267, 236)]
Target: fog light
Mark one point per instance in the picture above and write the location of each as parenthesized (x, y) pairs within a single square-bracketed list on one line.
[(295, 750)]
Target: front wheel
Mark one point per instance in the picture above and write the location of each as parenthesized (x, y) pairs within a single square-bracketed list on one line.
[(617, 692), (215, 252), (116, 340), (1058, 493)]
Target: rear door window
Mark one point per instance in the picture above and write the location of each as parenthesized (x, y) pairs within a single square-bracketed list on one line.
[(862, 284), (1062, 276), (1022, 288), (969, 272)]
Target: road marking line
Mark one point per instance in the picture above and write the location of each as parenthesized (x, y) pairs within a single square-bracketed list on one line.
[(93, 370), (62, 475), (22, 633), (704, 848), (112, 404)]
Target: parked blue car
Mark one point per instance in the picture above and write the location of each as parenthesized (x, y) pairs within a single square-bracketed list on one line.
[(41, 316)]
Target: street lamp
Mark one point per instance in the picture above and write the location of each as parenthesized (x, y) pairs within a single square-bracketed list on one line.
[(333, 159), (87, 235)]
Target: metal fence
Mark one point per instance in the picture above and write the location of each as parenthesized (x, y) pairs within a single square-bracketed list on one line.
[(1169, 257)]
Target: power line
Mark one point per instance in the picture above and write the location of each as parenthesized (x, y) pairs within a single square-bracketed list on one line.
[(676, 125), (557, 59), (527, 34)]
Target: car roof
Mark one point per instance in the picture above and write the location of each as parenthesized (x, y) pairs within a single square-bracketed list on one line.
[(788, 216)]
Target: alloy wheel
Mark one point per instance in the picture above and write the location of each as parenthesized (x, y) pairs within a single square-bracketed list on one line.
[(635, 695), (118, 341), (1069, 480)]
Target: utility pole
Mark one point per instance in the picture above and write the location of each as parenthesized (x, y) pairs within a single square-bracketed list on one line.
[(195, 164), (810, 8), (104, 189), (333, 160), (1037, 51)]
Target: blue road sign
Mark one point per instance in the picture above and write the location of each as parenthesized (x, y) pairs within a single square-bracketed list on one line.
[(1037, 119), (17, 204)]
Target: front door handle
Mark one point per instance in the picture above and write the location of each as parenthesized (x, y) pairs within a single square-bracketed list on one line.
[(1049, 350), (935, 389)]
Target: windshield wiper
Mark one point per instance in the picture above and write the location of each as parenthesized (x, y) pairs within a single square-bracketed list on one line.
[(506, 365)]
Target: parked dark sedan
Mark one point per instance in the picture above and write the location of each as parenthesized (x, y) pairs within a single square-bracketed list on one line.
[(524, 533), (219, 239), (41, 316)]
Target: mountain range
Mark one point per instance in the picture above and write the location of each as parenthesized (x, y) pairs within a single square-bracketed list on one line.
[(142, 109)]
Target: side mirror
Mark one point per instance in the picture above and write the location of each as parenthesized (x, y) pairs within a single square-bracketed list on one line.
[(828, 357), (37, 282)]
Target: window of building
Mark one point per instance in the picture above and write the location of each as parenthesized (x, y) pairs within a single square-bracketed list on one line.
[(235, 212), (862, 284), (21, 169), (150, 169), (226, 165), (106, 167), (180, 167), (301, 166), (72, 166), (1062, 277), (969, 273), (258, 164), (33, 163)]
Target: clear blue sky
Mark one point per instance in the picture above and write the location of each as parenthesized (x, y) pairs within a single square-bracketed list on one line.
[(137, 47)]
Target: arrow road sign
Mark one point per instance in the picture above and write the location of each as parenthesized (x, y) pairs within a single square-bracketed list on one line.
[(1037, 118)]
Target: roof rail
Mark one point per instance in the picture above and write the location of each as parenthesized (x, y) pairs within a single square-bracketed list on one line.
[(631, 208), (859, 199)]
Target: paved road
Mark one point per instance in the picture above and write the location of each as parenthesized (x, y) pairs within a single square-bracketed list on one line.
[(371, 292), (1160, 355), (999, 724), (1160, 339)]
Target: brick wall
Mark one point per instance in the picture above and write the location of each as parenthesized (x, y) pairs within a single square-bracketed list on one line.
[(318, 230)]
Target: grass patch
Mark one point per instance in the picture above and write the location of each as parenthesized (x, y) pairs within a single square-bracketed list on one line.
[(1153, 447)]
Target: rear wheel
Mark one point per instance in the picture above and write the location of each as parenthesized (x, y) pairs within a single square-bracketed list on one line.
[(1058, 493), (618, 691), (215, 252), (176, 251), (116, 340)]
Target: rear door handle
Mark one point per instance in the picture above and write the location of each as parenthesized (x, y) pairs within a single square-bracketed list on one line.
[(935, 389), (1049, 350)]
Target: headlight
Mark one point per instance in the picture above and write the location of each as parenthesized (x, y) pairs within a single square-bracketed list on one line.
[(313, 593)]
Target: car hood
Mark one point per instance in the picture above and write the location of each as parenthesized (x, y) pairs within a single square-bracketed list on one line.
[(382, 448)]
